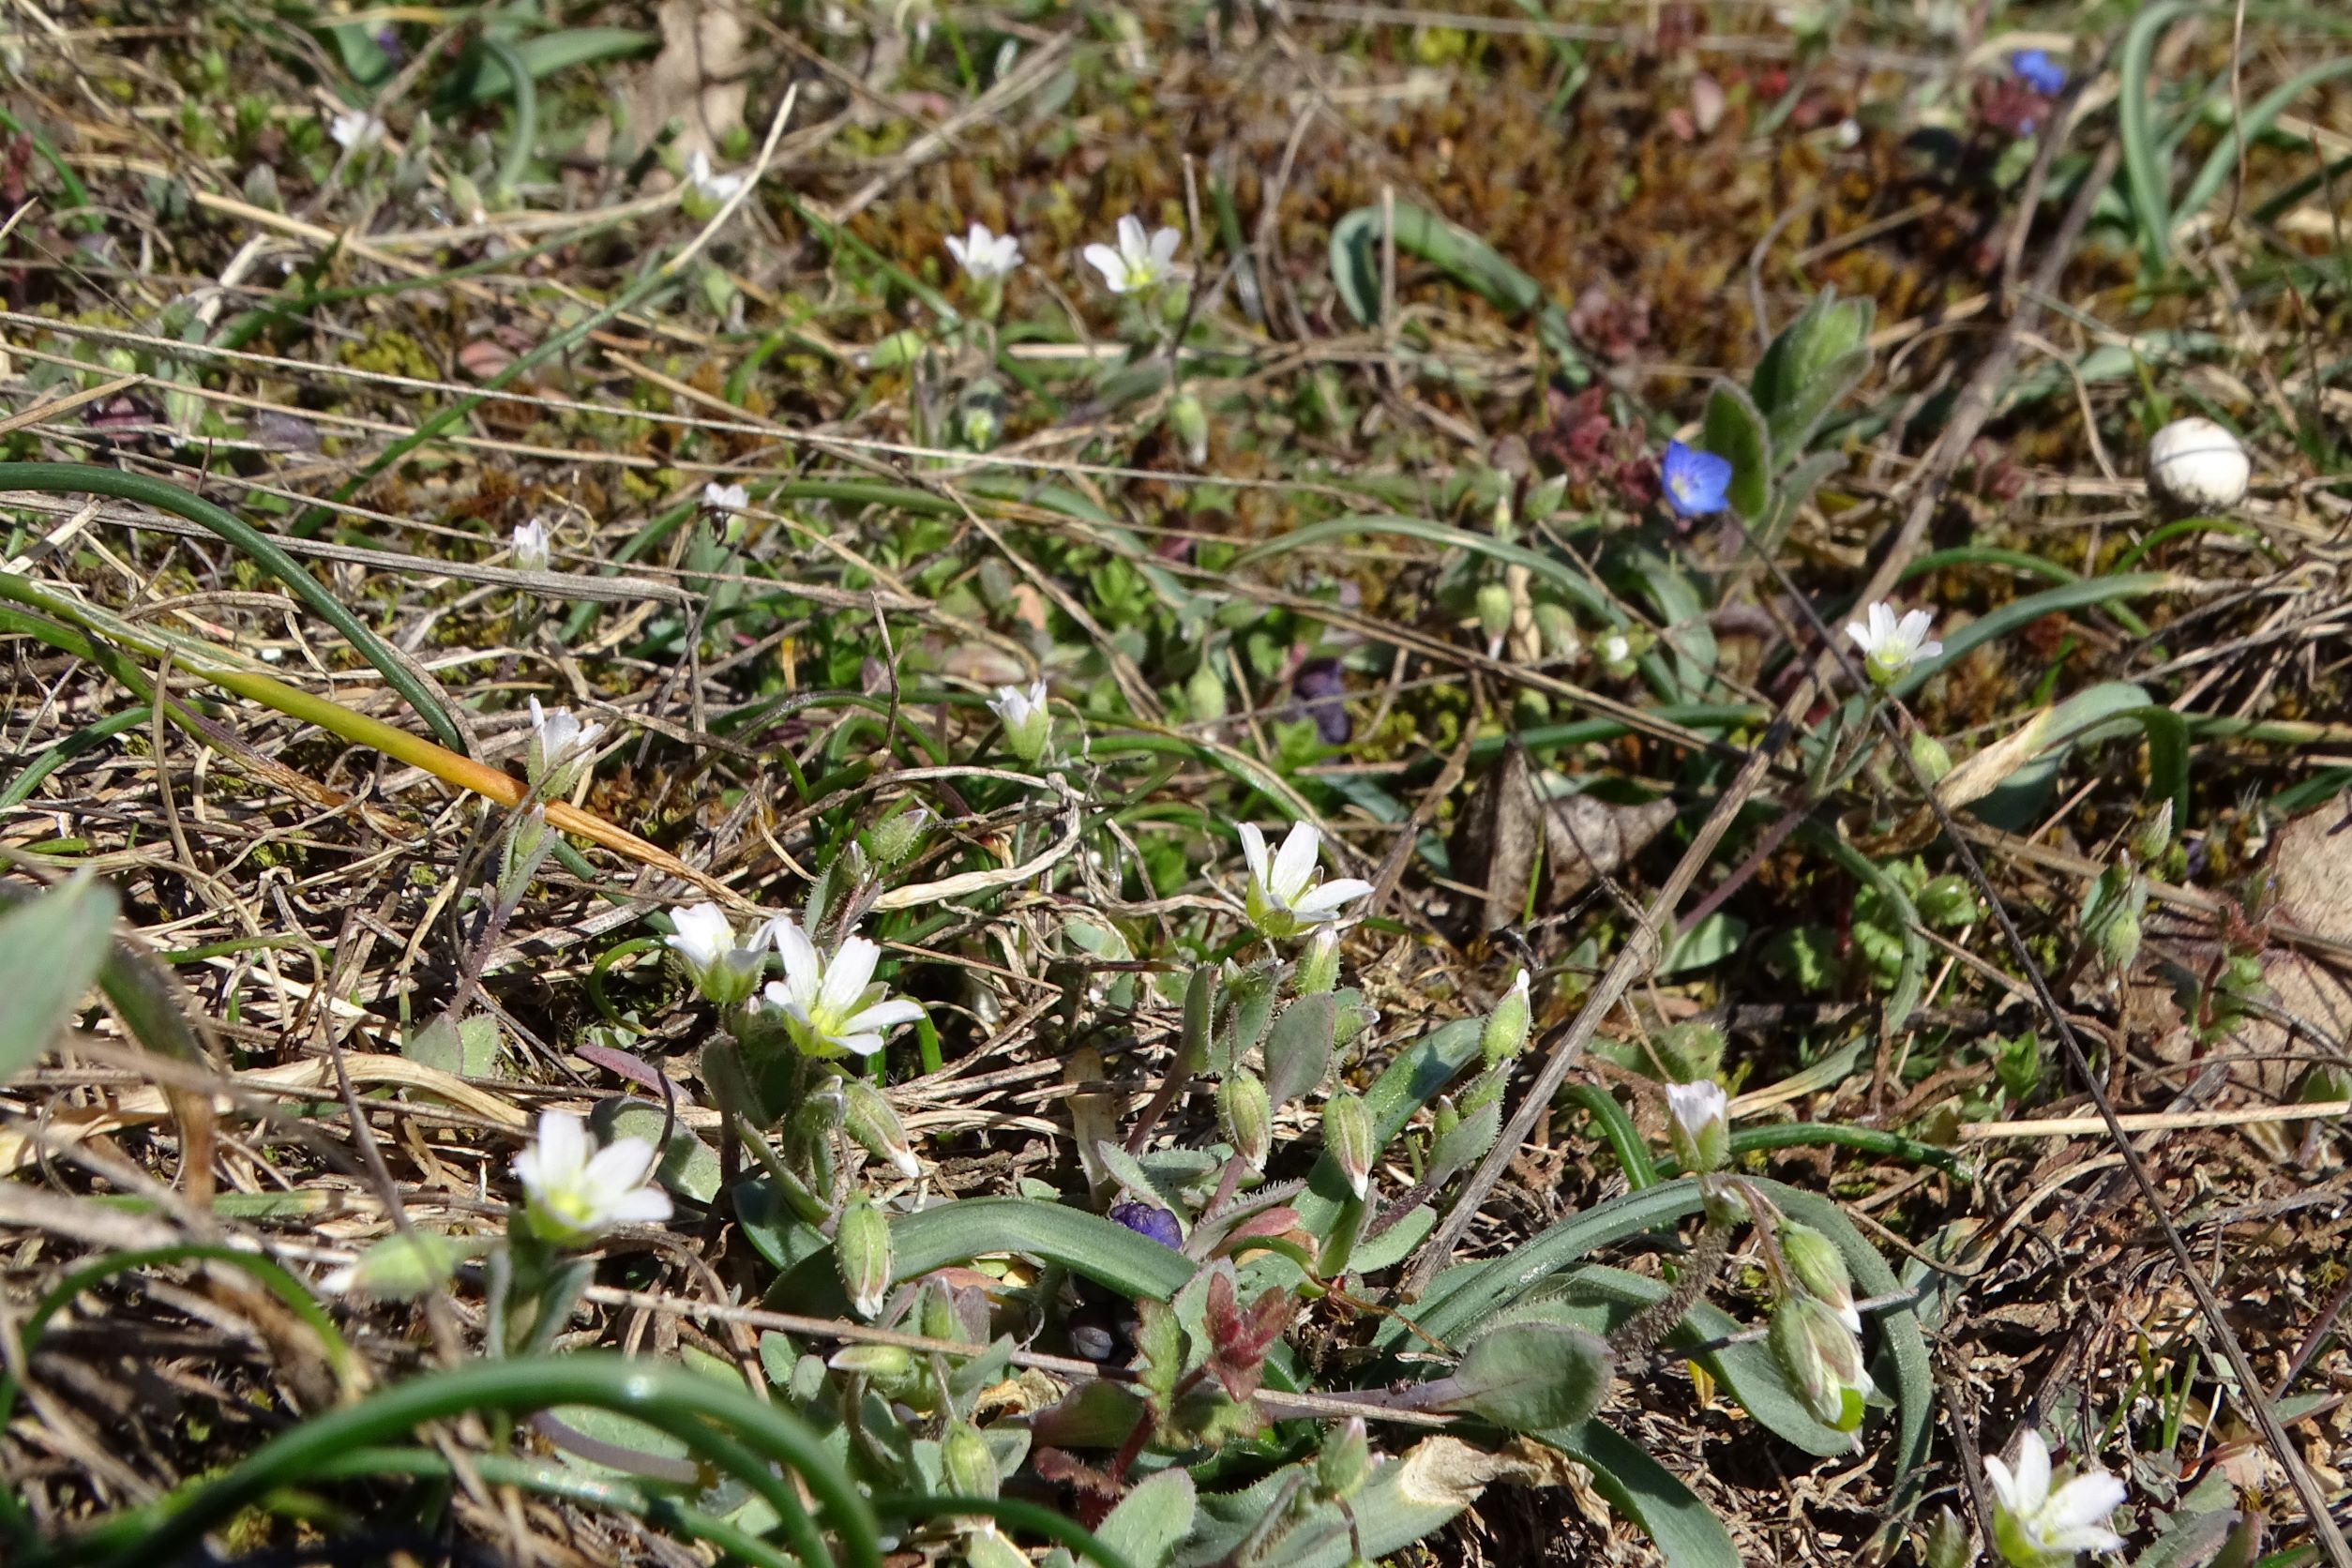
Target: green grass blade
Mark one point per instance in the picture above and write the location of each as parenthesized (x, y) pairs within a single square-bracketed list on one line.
[(51, 947), (2143, 171)]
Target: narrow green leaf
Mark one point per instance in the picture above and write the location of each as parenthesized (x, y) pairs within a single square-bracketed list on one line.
[(51, 949), (1684, 1529)]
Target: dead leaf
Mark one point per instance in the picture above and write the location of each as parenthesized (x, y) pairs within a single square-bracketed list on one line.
[(1447, 1472), (698, 79), (1581, 838)]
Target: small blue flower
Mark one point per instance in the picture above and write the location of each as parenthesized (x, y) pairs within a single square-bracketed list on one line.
[(2036, 69), (1694, 480), (1145, 1219)]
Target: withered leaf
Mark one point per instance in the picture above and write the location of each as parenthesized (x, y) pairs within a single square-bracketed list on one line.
[(1577, 839)]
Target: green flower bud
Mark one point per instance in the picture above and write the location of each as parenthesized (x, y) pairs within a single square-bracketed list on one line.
[(1506, 1026), (966, 1462), (1345, 1462), (896, 837), (867, 1118), (860, 1249), (2154, 841), (1028, 719), (2119, 940), (1820, 1268), (899, 349), (884, 1364), (1494, 611), (1348, 1134), (1245, 1117), (1318, 966), (1947, 1545), (1823, 1360), (1205, 694), (1189, 423), (1558, 631), (1930, 757)]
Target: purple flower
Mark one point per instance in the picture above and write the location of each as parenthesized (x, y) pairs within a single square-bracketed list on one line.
[(1694, 480), (1322, 687), (1146, 1219), (2036, 69)]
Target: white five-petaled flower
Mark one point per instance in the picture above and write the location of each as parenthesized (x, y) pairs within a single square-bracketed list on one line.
[(2038, 1526), (985, 257), (1141, 262), (2197, 465), (1028, 719), (705, 944), (531, 543), (1890, 646), (356, 130), (707, 183), (574, 1192), (559, 748), (1282, 897), (829, 1005), (725, 499)]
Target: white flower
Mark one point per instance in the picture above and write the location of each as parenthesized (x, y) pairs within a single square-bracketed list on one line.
[(356, 130), (2036, 1527), (1140, 263), (2198, 466), (708, 185), (574, 1192), (531, 546), (559, 748), (1283, 897), (1616, 649), (1028, 721), (985, 257), (705, 944), (1890, 647), (726, 499), (828, 1004), (1700, 1134)]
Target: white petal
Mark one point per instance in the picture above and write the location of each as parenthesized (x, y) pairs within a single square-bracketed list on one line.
[(2033, 1474), (2004, 1483), (1133, 246), (1884, 628), (1861, 635), (956, 249), (643, 1206), (885, 1015), (619, 1166), (1929, 649), (863, 1045), (804, 972), (1294, 862), (1164, 244), (703, 932), (1327, 898), (562, 1147), (846, 976), (1102, 259), (2085, 1499), (1916, 626), (1254, 851)]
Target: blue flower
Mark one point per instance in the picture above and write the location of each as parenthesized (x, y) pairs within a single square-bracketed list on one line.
[(1694, 480), (2036, 69), (1146, 1220)]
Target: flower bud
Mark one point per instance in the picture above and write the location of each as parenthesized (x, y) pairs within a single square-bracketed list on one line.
[(2154, 841), (1820, 1268), (1506, 1026), (1318, 966), (1823, 1360), (1246, 1117), (860, 1249), (896, 351), (1189, 423), (1494, 612), (1929, 755), (1028, 719), (1947, 1545), (966, 1462), (1205, 694), (1346, 1461), (896, 837), (1150, 1221), (867, 1117), (2195, 465), (1696, 1126), (1348, 1134), (2120, 939), (1557, 629), (884, 1364)]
